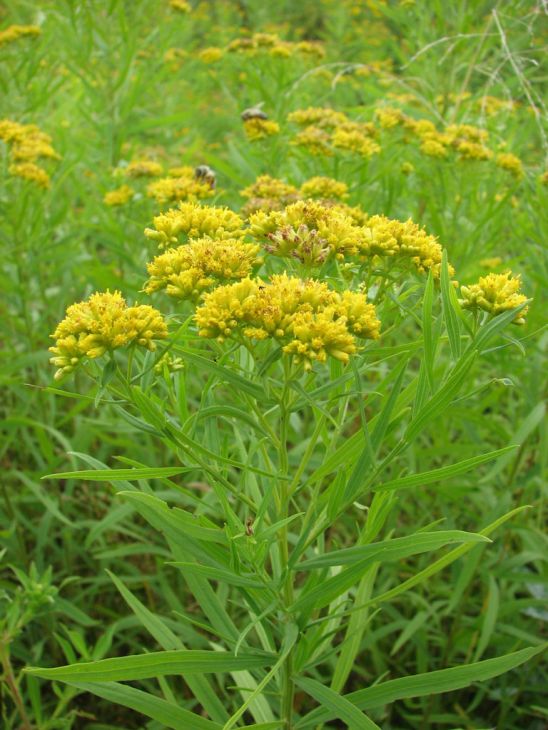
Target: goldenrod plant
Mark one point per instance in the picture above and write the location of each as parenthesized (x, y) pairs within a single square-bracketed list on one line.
[(273, 427)]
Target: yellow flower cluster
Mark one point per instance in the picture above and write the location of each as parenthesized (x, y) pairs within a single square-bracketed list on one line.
[(323, 117), (14, 32), (492, 105), (184, 188), (495, 293), (326, 129), (27, 143), (257, 128), (30, 171), (403, 240), (511, 163), (268, 193), (187, 271), (191, 220), (354, 141), (324, 187), (142, 168), (211, 54), (469, 142), (273, 45), (101, 324), (307, 318), (120, 196), (181, 5), (309, 231), (313, 231)]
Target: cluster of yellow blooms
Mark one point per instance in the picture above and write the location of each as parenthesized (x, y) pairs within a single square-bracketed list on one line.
[(27, 143), (326, 130), (181, 5), (120, 196), (184, 187), (14, 32), (191, 221), (312, 232), (187, 271), (310, 320), (101, 324), (273, 45), (209, 262), (468, 141), (495, 293), (258, 128), (269, 193), (141, 168)]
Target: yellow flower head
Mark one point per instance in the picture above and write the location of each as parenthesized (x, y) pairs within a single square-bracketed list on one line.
[(120, 196), (315, 140), (324, 187), (257, 128), (143, 168), (495, 293), (310, 48), (269, 187), (210, 55), (323, 117), (389, 117), (354, 141), (192, 220), (14, 32), (169, 189), (181, 5), (308, 230), (187, 271), (433, 148), (404, 241), (491, 263), (473, 151), (511, 163), (307, 318), (101, 324), (27, 142), (32, 172)]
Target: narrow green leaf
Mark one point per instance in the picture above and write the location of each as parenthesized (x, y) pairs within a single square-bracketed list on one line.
[(444, 472), (450, 304), (389, 550), (223, 576), (332, 701), (440, 400), (109, 475), (165, 637), (149, 705), (426, 684), (224, 374), (362, 556), (155, 664)]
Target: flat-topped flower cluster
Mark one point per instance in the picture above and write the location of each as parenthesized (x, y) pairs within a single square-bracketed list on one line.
[(227, 266)]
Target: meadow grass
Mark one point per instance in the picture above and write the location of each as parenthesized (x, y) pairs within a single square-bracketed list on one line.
[(279, 593)]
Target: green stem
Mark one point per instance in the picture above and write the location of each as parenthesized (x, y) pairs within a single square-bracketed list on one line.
[(9, 678), (286, 709)]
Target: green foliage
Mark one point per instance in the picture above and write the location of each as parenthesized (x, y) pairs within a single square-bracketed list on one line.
[(248, 543)]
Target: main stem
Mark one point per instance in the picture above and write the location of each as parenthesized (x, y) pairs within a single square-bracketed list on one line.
[(10, 680), (286, 709)]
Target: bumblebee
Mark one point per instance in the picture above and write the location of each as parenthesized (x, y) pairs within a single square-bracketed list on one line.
[(253, 112), (204, 173)]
